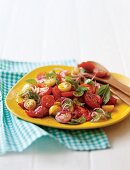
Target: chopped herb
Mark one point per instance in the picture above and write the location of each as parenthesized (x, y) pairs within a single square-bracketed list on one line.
[(77, 102), (67, 104), (80, 120), (31, 81), (51, 74), (29, 94), (78, 93), (69, 79), (89, 81), (104, 92)]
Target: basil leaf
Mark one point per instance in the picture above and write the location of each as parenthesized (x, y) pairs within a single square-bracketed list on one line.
[(80, 120), (78, 102), (89, 81), (104, 92), (31, 81)]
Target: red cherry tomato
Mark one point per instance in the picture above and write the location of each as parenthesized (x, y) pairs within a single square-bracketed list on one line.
[(100, 73), (59, 77), (22, 105), (67, 94), (88, 66), (39, 112), (80, 111), (91, 88), (92, 100), (112, 101), (63, 116), (56, 92), (47, 91), (41, 85), (47, 101)]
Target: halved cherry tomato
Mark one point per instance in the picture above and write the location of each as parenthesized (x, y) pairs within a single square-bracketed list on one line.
[(92, 100), (39, 112), (47, 91), (100, 73), (80, 111), (47, 101), (63, 116), (67, 94), (59, 77), (112, 101), (91, 88), (22, 105), (56, 92), (88, 66), (41, 85)]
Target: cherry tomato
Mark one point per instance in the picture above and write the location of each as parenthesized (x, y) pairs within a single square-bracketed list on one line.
[(41, 85), (92, 100), (100, 73), (47, 91), (112, 101), (80, 111), (91, 88), (56, 92), (63, 116), (39, 112), (22, 105), (59, 77), (88, 66), (47, 101), (67, 94)]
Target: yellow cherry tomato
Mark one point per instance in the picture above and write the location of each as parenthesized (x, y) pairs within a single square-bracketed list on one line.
[(50, 82), (108, 108), (57, 103), (54, 109), (64, 87), (75, 71), (30, 104)]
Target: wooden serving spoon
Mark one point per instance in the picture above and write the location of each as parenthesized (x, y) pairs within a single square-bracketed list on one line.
[(108, 79), (121, 95)]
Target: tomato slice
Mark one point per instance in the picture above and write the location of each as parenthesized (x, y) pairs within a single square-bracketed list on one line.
[(91, 88), (112, 101), (88, 66), (63, 116), (22, 105), (92, 100), (41, 85), (39, 112), (100, 73), (80, 111), (67, 94), (47, 101), (56, 92), (47, 91)]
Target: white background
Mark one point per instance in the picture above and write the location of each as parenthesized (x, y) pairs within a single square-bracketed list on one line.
[(35, 30)]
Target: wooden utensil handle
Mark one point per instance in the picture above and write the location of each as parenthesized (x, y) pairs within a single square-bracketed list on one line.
[(115, 83), (121, 95)]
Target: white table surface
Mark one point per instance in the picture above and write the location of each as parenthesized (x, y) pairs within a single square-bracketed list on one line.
[(35, 30)]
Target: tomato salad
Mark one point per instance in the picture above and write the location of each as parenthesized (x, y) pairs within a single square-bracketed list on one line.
[(68, 96)]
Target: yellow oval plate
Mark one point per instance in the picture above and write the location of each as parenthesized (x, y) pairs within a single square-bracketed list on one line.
[(121, 110)]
